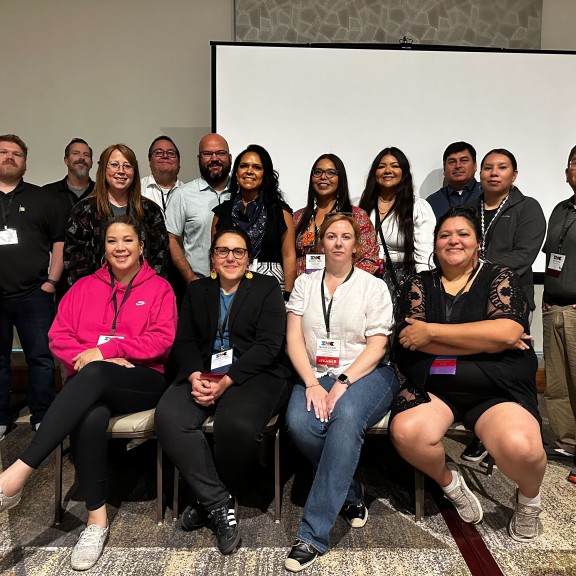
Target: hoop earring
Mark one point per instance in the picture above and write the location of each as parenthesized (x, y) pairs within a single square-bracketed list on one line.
[(249, 274), (141, 258), (213, 274), (103, 260)]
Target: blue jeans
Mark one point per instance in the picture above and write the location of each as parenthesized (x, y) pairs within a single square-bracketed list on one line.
[(333, 447), (32, 316)]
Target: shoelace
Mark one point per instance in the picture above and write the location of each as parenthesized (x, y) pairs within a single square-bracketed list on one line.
[(91, 537)]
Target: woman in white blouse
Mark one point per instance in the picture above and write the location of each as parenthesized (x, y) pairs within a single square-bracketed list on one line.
[(339, 320), (404, 223)]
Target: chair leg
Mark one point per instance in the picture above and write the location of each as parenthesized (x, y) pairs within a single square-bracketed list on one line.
[(58, 485), (418, 494), (277, 487), (159, 485), (490, 468), (176, 494)]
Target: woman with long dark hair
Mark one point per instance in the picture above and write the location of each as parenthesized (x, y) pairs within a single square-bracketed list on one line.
[(256, 206), (404, 222), (327, 194)]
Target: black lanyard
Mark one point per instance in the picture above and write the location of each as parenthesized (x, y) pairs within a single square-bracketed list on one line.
[(449, 306), (115, 302), (565, 227), (6, 212), (223, 322), (329, 310), (332, 211)]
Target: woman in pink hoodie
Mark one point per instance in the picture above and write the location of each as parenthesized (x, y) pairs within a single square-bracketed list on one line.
[(113, 331)]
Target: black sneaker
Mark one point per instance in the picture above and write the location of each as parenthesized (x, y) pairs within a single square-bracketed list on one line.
[(225, 526), (193, 518), (474, 452), (301, 556), (355, 514)]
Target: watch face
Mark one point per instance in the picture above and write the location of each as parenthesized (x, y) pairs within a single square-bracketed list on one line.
[(343, 378)]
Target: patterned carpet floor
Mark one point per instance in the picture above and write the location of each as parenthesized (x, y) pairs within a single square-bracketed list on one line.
[(391, 543)]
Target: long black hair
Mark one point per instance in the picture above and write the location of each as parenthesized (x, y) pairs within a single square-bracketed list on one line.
[(270, 189), (342, 192), (403, 208)]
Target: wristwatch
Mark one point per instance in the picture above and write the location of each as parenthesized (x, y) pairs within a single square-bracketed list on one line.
[(343, 379)]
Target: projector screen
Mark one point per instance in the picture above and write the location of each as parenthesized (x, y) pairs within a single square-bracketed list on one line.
[(300, 101)]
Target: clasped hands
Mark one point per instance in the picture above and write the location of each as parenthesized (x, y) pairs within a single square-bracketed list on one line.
[(206, 391), (322, 401), (94, 354)]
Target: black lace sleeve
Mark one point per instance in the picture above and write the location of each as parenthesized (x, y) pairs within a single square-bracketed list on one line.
[(507, 299), (412, 301)]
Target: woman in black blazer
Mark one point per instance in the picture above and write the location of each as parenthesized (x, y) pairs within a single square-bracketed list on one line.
[(228, 345)]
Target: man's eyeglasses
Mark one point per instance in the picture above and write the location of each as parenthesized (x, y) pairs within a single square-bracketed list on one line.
[(206, 154), (117, 166), (222, 252), (159, 153), (572, 164), (330, 173)]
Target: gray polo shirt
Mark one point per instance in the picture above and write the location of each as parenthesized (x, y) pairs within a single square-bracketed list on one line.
[(189, 215)]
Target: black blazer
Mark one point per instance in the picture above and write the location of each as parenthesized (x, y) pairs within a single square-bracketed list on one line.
[(257, 328)]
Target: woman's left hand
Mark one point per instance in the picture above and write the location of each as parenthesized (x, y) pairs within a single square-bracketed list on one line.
[(220, 386), (415, 335), (120, 362), (334, 395), (90, 355)]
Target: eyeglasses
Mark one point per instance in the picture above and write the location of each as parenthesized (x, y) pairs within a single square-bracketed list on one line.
[(222, 252), (330, 173), (572, 164), (159, 153), (206, 154), (116, 166)]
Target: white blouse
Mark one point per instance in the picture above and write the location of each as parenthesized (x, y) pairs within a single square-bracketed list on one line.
[(424, 223), (361, 307)]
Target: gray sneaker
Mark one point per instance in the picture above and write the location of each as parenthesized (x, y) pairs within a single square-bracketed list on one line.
[(3, 430), (466, 504), (7, 502), (523, 525), (89, 547)]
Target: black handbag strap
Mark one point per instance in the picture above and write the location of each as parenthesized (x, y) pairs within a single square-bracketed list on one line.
[(388, 262)]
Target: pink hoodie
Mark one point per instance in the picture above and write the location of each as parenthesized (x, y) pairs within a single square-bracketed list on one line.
[(147, 320)]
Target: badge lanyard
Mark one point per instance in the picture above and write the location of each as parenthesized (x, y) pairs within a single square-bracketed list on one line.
[(223, 322), (329, 310), (115, 302), (484, 232), (565, 227), (6, 213)]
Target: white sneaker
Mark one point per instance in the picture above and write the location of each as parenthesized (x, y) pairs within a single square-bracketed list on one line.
[(89, 547), (462, 498), (3, 430), (523, 525)]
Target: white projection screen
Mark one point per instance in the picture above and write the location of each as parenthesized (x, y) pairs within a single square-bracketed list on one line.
[(300, 101)]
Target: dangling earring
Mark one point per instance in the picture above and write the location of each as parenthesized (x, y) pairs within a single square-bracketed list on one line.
[(249, 274), (213, 274), (103, 260)]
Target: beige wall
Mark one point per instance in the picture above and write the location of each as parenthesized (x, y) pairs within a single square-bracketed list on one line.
[(107, 71), (558, 25)]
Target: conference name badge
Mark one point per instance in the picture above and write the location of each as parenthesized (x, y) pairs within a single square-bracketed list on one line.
[(8, 236), (314, 262), (221, 361), (555, 265), (327, 352), (103, 338), (443, 365)]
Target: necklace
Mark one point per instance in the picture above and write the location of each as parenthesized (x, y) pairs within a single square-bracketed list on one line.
[(380, 199), (485, 231)]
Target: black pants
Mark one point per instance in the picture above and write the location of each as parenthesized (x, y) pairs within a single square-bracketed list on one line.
[(83, 409), (240, 416)]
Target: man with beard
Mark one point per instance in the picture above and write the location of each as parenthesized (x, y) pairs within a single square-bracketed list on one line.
[(189, 211), (33, 227), (76, 185), (164, 159)]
